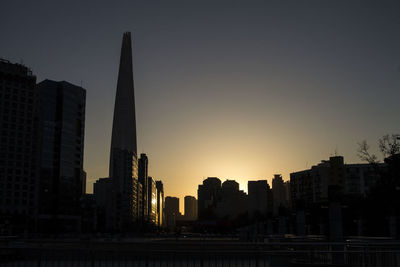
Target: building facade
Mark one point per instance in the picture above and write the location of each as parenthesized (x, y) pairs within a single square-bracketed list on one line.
[(143, 165), (18, 148), (62, 179), (152, 200), (360, 178), (325, 180), (160, 220)]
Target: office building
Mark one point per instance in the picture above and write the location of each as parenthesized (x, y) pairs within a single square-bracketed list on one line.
[(62, 179)]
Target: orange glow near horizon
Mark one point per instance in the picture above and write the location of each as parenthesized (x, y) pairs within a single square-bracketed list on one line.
[(195, 155)]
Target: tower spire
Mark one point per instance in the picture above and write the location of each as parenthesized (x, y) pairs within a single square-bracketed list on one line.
[(123, 153), (124, 121)]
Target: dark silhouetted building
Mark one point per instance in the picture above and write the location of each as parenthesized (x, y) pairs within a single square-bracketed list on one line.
[(288, 196), (259, 198), (123, 153), (18, 148), (316, 184), (160, 220), (88, 213), (208, 195), (62, 179), (279, 193), (139, 203), (233, 201), (229, 187), (327, 198), (360, 178), (101, 193), (172, 213), (143, 164), (316, 195), (190, 208)]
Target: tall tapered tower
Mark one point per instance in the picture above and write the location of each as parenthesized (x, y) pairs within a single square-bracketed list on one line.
[(124, 123), (123, 155)]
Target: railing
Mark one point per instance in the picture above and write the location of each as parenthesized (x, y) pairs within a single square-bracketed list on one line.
[(201, 254)]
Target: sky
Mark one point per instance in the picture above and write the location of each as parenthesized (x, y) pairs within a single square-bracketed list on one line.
[(234, 89)]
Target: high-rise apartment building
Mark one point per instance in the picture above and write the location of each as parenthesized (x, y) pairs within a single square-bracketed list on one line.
[(18, 148), (311, 186), (361, 178), (62, 179), (123, 154), (331, 177)]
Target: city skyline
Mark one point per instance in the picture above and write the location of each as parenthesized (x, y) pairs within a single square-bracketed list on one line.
[(242, 101), (200, 133)]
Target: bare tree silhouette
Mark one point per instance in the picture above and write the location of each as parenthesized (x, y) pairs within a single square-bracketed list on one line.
[(389, 145)]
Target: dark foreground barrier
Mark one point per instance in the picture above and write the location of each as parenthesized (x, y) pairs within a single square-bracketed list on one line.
[(198, 254)]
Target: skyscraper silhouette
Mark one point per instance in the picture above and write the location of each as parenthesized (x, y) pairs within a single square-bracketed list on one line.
[(123, 153)]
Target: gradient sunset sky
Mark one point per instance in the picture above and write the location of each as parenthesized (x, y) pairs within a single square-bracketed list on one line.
[(234, 89)]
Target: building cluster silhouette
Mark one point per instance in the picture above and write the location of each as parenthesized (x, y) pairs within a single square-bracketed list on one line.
[(226, 202), (41, 152), (174, 219), (43, 183), (331, 199)]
